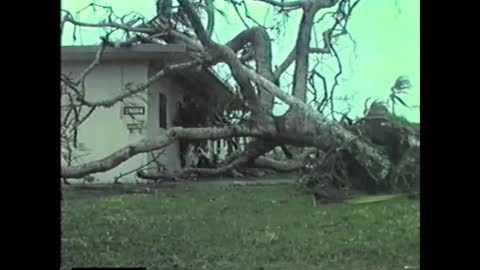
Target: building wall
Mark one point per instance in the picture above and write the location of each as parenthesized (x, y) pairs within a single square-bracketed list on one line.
[(174, 93), (105, 131)]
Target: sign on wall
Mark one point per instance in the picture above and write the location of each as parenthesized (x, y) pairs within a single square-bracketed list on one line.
[(134, 110)]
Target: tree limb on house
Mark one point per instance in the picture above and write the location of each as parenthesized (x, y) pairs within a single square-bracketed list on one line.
[(300, 126)]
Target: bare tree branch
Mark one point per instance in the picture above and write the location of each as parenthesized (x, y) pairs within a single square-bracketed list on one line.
[(284, 166), (129, 92), (262, 53), (335, 83), (62, 24), (90, 67), (154, 159), (302, 46), (291, 56), (252, 151), (301, 55), (285, 64), (112, 25), (260, 41), (288, 5), (235, 6), (260, 163), (85, 117), (323, 102), (210, 8), (160, 29), (196, 23), (171, 135)]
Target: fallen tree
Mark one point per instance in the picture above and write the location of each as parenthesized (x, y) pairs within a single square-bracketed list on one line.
[(334, 172), (301, 126)]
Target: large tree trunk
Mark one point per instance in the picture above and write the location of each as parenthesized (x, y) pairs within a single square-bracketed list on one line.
[(301, 126)]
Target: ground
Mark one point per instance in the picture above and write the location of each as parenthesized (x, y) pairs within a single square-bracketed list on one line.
[(236, 227)]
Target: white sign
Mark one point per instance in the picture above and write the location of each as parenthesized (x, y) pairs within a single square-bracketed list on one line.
[(137, 110)]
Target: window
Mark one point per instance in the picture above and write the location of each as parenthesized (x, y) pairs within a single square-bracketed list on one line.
[(162, 110)]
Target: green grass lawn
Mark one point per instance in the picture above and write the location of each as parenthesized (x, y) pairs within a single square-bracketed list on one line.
[(270, 227)]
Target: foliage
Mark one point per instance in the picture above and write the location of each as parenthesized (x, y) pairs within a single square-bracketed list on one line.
[(336, 173), (401, 86), (270, 227)]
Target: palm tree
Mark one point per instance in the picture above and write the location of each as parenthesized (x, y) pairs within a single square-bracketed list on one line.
[(401, 86)]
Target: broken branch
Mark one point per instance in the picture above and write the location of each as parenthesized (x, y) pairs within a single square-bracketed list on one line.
[(147, 145), (129, 92)]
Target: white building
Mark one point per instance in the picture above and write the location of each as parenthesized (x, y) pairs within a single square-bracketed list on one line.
[(139, 117)]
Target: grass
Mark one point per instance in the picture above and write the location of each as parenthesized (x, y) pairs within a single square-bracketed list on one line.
[(270, 227)]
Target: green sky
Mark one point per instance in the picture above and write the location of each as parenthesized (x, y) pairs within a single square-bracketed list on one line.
[(387, 34)]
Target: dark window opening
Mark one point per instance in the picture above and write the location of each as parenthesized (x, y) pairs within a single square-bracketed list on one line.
[(162, 110)]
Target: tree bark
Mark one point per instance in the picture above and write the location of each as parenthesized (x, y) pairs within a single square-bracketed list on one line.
[(300, 126), (160, 142)]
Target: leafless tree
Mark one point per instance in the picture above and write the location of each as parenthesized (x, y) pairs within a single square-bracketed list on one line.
[(248, 57)]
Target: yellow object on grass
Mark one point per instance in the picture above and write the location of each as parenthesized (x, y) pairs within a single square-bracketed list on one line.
[(373, 199)]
